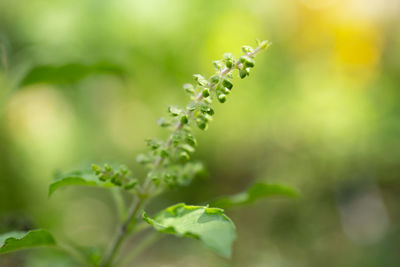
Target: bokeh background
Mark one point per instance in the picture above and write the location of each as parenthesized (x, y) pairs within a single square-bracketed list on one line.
[(85, 81)]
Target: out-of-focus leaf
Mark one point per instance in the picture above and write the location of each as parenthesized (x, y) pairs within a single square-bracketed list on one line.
[(255, 192), (68, 73), (85, 178), (209, 225), (12, 241), (91, 255)]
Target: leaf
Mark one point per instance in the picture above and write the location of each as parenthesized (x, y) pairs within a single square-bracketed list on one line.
[(209, 225), (85, 178), (21, 240), (68, 73), (255, 192)]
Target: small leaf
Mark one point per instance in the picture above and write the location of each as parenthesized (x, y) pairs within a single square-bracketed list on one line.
[(85, 178), (214, 79), (174, 111), (200, 79), (22, 240), (209, 225), (188, 88), (255, 192)]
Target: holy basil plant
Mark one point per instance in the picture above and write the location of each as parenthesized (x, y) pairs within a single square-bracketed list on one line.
[(168, 165)]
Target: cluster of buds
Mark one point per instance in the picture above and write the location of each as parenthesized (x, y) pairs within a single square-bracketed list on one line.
[(178, 174), (167, 159), (120, 177)]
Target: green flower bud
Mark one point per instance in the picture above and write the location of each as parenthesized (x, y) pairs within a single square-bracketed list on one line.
[(188, 148), (206, 92), (176, 138), (174, 111), (207, 100), (200, 79), (188, 88), (226, 91), (107, 168), (222, 98), (242, 74), (247, 62), (250, 63), (210, 111), (205, 108), (156, 180), (115, 179), (214, 79), (163, 122), (247, 49), (124, 170), (116, 182), (228, 56), (130, 185), (164, 153), (97, 169), (153, 144), (201, 123), (191, 106), (184, 119), (103, 177), (227, 84), (142, 159), (184, 156), (191, 140), (265, 44), (217, 64)]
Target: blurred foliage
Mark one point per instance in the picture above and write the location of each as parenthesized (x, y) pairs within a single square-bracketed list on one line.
[(253, 193), (85, 81), (68, 73)]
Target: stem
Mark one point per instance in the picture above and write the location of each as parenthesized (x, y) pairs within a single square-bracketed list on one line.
[(122, 232), (179, 124), (143, 245), (119, 203), (3, 57), (148, 187), (73, 252)]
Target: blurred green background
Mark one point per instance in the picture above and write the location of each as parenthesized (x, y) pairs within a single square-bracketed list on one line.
[(85, 81)]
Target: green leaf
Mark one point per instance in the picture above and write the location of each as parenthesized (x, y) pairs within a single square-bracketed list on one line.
[(255, 192), (209, 225), (85, 178), (22, 240), (68, 73)]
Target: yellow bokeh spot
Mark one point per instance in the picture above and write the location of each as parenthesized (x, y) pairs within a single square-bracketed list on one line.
[(357, 44)]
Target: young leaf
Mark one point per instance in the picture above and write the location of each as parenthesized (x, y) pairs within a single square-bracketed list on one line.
[(209, 225), (85, 178), (255, 192), (22, 240)]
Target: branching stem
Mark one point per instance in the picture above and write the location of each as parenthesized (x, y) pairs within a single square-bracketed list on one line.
[(147, 190)]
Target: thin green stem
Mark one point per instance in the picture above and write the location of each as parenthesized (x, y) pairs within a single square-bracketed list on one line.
[(73, 252), (119, 203), (148, 187), (141, 247), (122, 232)]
